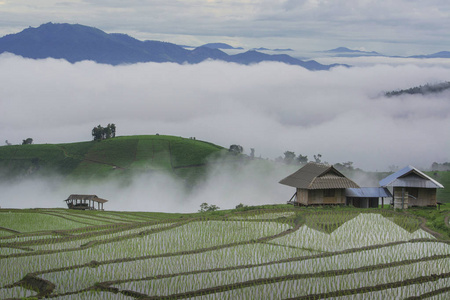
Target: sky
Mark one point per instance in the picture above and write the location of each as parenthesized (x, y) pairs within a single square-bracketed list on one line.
[(393, 27)]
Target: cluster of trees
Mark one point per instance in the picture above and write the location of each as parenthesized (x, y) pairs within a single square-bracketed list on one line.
[(238, 149), (290, 158), (204, 207), (101, 133), (440, 167), (423, 89), (27, 141)]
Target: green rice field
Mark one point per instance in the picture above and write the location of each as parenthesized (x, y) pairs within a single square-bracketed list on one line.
[(278, 252)]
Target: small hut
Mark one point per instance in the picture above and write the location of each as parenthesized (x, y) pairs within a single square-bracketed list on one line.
[(318, 184), (85, 202), (411, 187)]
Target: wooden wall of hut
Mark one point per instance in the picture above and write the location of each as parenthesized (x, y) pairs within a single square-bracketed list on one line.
[(318, 197), (416, 196)]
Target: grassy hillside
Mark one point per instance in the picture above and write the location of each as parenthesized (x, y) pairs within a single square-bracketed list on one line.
[(119, 156)]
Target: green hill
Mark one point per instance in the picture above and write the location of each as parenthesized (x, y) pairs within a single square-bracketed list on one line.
[(120, 156)]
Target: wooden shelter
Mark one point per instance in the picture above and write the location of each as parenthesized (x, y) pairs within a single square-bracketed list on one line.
[(411, 187), (318, 184), (84, 202)]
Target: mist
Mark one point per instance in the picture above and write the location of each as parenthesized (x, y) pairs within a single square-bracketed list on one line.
[(226, 185), (271, 107)]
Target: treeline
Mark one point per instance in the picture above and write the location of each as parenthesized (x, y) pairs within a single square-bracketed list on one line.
[(440, 167), (422, 90)]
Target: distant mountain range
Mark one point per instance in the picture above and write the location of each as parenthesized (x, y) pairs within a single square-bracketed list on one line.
[(74, 43), (346, 52), (442, 54), (221, 46)]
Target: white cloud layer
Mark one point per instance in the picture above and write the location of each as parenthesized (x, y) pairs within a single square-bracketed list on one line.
[(271, 107)]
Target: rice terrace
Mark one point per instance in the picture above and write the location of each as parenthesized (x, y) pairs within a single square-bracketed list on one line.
[(278, 251), (281, 251)]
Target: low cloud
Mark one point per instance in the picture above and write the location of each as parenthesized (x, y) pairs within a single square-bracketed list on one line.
[(251, 183), (271, 107)]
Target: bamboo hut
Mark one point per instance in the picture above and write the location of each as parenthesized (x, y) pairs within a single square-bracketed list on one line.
[(85, 202), (318, 184), (411, 187)]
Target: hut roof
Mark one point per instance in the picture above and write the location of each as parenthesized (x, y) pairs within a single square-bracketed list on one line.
[(367, 192), (86, 197), (410, 176), (314, 176)]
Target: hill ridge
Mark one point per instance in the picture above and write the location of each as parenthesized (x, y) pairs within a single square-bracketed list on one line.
[(76, 42), (111, 157)]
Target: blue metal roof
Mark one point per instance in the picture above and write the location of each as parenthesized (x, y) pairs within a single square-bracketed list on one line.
[(367, 192), (409, 176)]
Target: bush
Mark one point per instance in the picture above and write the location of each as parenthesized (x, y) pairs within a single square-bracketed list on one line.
[(204, 207)]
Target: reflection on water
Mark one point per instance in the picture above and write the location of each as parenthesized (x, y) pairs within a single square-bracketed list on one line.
[(349, 231)]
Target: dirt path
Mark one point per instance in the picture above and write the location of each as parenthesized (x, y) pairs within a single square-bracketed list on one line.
[(422, 225)]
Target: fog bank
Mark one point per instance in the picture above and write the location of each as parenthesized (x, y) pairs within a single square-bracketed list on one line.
[(271, 107)]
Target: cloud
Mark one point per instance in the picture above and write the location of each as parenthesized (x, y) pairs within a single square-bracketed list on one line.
[(271, 107), (252, 183)]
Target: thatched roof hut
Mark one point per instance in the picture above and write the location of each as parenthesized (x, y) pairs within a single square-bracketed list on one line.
[(319, 184), (76, 201)]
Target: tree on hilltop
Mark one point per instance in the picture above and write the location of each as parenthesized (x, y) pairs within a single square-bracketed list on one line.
[(28, 141), (102, 133), (236, 149)]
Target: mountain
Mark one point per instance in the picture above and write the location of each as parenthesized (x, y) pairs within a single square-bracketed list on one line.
[(252, 57), (266, 49), (221, 46), (346, 52), (422, 90), (442, 54), (74, 43)]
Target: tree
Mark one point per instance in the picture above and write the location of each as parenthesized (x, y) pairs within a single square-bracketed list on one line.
[(302, 159), (289, 157), (28, 141), (102, 133), (317, 158), (236, 149), (97, 133), (113, 129), (204, 207)]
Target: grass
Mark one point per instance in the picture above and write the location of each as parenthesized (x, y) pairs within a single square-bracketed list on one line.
[(117, 157), (443, 177)]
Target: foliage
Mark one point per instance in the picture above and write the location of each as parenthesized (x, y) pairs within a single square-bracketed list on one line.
[(27, 141), (241, 206), (236, 149), (103, 133), (289, 157), (318, 158), (422, 90), (205, 207)]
